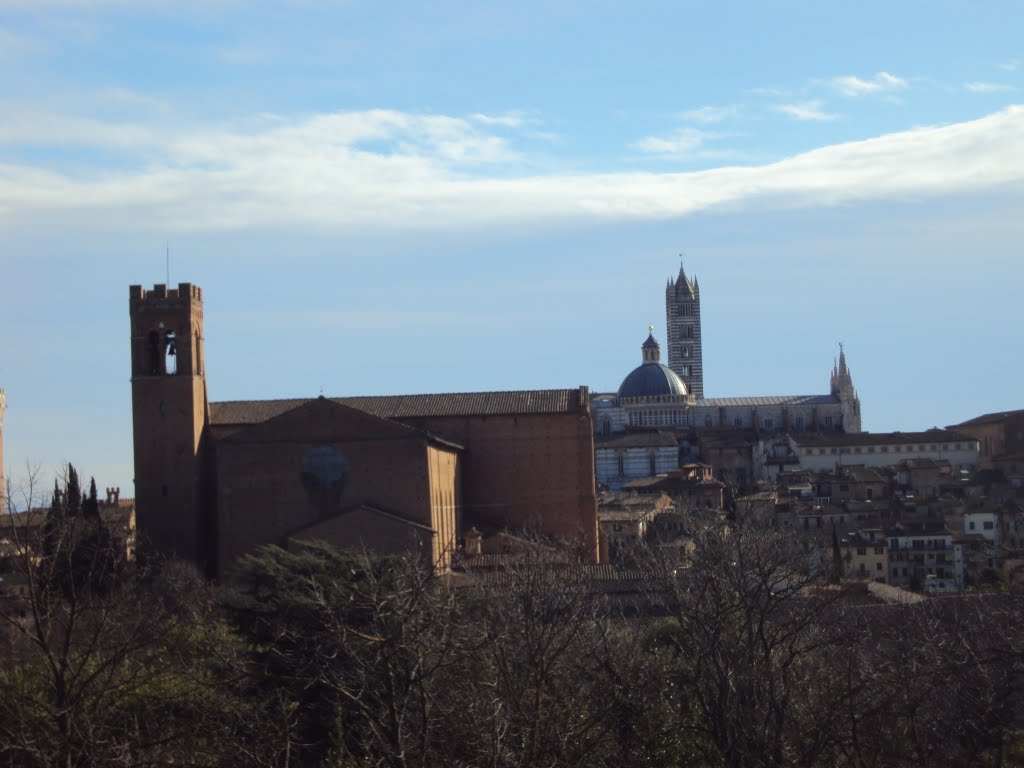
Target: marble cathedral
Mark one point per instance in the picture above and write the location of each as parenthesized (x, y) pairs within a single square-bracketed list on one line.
[(660, 410)]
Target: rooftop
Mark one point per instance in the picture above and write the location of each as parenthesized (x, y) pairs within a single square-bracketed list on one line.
[(415, 406), (726, 402), (880, 438)]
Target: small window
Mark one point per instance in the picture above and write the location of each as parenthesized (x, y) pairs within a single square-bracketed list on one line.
[(707, 421)]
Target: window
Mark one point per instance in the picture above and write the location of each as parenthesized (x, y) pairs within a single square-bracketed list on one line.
[(767, 423), (686, 351), (170, 353), (737, 422), (987, 525), (799, 423), (862, 550), (828, 421), (707, 421), (620, 459), (970, 525), (686, 331)]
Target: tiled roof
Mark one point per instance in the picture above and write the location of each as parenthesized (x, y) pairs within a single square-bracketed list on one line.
[(414, 406), (990, 418), (727, 402), (879, 438)]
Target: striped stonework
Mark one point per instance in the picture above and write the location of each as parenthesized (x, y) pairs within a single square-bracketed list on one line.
[(682, 318)]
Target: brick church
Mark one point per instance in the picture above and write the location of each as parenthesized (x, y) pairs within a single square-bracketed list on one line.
[(214, 480)]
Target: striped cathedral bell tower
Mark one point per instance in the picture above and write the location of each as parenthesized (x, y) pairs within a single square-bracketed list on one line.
[(682, 321)]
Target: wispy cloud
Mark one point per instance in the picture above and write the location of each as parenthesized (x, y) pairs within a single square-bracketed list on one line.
[(1010, 65), (684, 141), (365, 170), (509, 121), (806, 110), (987, 87), (710, 114), (881, 83)]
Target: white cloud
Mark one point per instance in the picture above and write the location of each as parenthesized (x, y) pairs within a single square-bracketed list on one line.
[(987, 87), (386, 169), (807, 110), (508, 121), (709, 114), (685, 141), (881, 83), (1010, 65)]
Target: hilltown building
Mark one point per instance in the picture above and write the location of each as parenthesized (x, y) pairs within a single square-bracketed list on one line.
[(215, 480), (1000, 438), (670, 397), (825, 451)]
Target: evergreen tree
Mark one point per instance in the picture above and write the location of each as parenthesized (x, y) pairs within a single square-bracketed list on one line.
[(837, 556)]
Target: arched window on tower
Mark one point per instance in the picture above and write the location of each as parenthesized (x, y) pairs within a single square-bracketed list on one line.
[(170, 353)]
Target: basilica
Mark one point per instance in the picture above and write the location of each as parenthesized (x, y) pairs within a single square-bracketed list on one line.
[(659, 417)]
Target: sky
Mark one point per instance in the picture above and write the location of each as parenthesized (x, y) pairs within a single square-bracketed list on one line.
[(408, 197)]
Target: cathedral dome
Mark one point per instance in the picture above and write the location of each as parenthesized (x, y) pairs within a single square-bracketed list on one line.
[(651, 378)]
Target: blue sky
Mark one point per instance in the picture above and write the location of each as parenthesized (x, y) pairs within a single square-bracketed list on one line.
[(424, 197)]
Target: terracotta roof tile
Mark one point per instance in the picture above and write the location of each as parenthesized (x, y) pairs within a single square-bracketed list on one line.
[(415, 406)]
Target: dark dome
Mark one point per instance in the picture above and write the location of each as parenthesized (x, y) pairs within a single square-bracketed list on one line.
[(651, 380)]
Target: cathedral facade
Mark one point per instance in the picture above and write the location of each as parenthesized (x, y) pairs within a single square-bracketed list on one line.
[(657, 403)]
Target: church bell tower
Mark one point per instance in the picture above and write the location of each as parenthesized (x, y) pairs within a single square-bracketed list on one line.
[(169, 415), (682, 321)]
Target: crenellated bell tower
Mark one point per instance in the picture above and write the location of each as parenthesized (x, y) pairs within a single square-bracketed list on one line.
[(169, 415), (682, 322)]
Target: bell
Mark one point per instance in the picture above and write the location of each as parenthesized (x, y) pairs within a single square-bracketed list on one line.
[(170, 349)]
